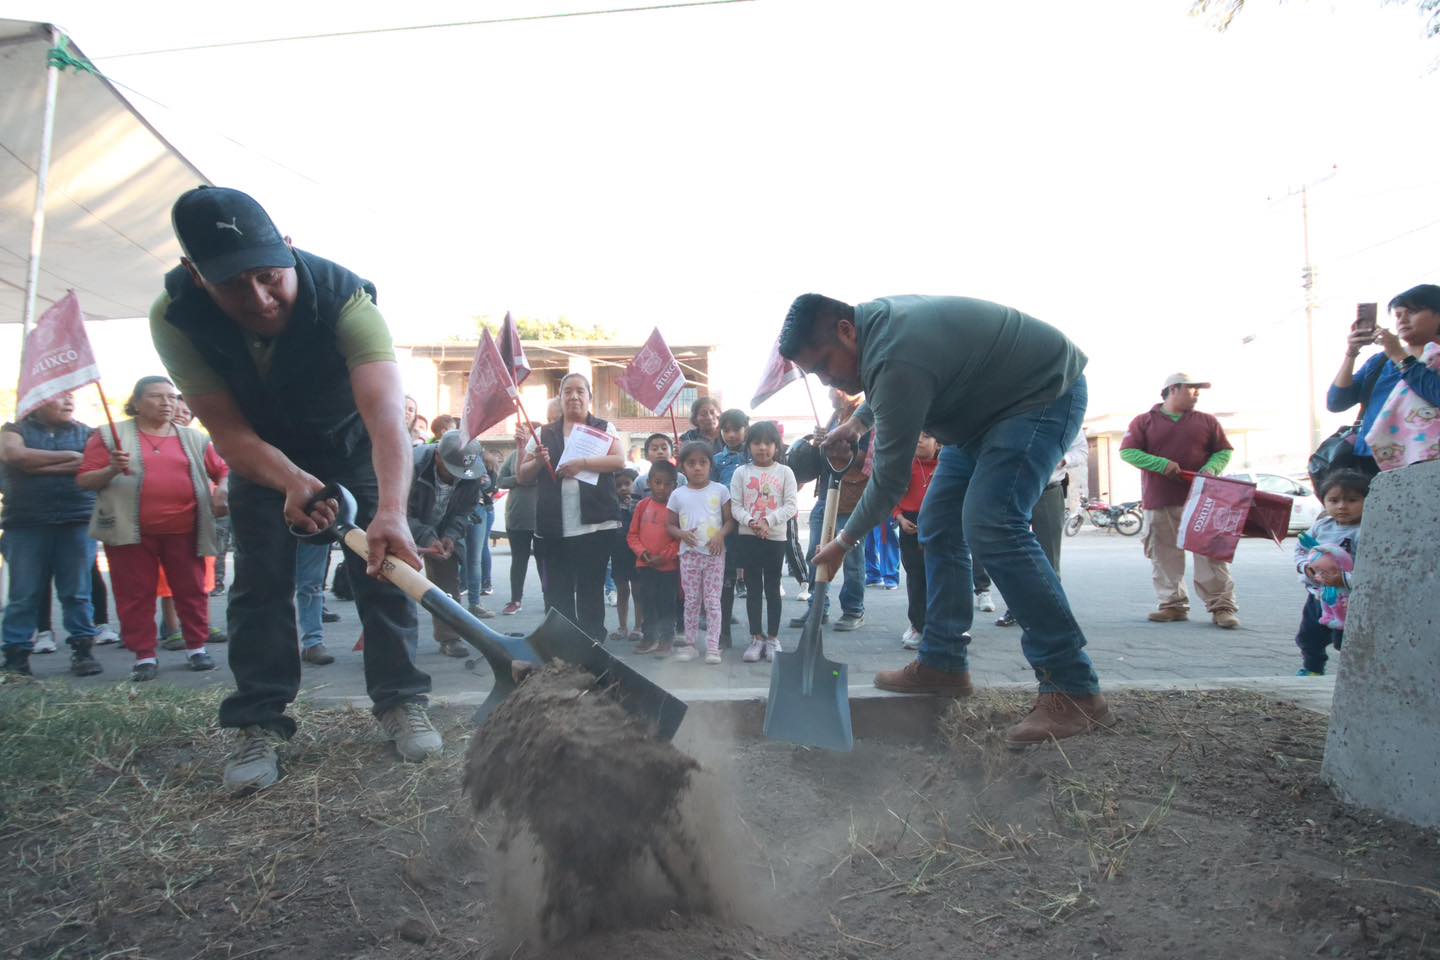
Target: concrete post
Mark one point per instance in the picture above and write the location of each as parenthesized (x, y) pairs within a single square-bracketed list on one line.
[(1383, 750)]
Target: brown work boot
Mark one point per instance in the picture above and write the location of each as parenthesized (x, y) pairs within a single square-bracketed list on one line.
[(915, 677), (1169, 615), (1057, 716), (1225, 619)]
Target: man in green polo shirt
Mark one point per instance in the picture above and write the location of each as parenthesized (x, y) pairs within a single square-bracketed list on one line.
[(288, 362)]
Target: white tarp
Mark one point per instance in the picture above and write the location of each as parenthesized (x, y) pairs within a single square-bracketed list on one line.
[(112, 181)]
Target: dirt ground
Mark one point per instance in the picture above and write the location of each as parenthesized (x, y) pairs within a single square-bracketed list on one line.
[(1197, 828)]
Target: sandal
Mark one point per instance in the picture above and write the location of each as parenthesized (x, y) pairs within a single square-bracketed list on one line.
[(616, 636), (643, 649), (636, 636)]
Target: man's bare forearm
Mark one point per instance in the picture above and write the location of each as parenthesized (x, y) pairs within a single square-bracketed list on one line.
[(379, 396)]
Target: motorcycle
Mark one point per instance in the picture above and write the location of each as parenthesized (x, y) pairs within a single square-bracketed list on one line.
[(1124, 517)]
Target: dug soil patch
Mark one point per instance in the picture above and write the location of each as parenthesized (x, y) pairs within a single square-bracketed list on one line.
[(1198, 828)]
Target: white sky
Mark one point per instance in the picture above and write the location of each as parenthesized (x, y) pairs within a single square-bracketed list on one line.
[(1118, 169)]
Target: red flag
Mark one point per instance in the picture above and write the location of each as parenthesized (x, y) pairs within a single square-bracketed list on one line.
[(490, 397), (778, 372), (57, 356), (1220, 511), (654, 377), (512, 351)]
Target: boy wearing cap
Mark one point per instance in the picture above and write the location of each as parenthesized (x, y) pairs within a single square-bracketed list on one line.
[(1171, 437), (445, 492), (286, 359)]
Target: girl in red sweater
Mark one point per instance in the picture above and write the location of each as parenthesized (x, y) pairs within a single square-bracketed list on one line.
[(912, 557)]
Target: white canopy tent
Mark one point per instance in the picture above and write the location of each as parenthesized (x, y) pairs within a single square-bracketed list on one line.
[(107, 187)]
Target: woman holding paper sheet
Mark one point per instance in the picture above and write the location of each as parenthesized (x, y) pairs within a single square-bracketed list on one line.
[(576, 508)]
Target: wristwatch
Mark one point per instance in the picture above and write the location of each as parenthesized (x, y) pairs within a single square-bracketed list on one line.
[(844, 540)]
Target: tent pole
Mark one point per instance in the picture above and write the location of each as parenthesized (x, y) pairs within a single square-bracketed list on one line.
[(42, 179)]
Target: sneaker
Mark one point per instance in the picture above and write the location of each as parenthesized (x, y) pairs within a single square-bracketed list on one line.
[(105, 637), (984, 602), (1225, 619), (685, 652), (82, 661), (44, 642), (804, 595), (610, 598), (915, 677), (409, 726), (910, 639), (754, 652), (772, 650), (512, 608), (329, 616), (218, 636), (144, 671), (1302, 672), (201, 661), (892, 586), (849, 621), (17, 662), (713, 657), (1168, 615), (486, 590), (801, 621), (454, 648), (480, 612), (219, 590), (255, 765), (176, 641), (318, 656), (740, 590), (1008, 620), (1056, 716)]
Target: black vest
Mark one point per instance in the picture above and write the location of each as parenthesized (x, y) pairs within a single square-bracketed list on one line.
[(598, 502), (38, 499), (304, 405)]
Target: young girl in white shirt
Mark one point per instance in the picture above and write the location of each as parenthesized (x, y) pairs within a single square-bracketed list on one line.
[(700, 520), (762, 501)]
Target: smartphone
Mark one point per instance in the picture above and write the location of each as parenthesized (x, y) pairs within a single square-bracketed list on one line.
[(1366, 317)]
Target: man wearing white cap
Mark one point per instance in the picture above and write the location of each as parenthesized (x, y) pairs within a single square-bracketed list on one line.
[(1174, 436)]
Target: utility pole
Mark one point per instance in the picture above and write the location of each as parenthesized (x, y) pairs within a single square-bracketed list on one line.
[(1307, 282)]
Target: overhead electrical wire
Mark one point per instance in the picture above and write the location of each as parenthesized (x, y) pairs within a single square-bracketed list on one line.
[(422, 26)]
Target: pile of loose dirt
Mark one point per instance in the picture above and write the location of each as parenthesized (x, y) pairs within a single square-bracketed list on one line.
[(591, 831)]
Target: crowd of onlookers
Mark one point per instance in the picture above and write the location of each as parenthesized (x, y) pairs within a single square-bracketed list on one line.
[(671, 531)]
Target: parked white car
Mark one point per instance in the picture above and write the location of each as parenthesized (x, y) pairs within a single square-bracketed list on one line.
[(1304, 508)]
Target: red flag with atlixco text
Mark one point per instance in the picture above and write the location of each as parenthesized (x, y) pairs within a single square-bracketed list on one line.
[(654, 378), (57, 356), (490, 396), (512, 351)]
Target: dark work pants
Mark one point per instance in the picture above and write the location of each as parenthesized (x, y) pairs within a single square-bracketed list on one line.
[(727, 586), (657, 591), (912, 558), (1313, 637), (762, 560), (1048, 522), (519, 561), (575, 579), (264, 645)]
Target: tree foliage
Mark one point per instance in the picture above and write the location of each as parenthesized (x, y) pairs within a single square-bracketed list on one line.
[(1223, 12), (562, 328)]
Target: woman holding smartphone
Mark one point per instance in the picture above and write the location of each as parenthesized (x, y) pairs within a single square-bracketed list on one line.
[(1417, 322)]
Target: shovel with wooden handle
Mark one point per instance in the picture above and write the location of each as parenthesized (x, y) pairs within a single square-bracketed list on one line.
[(509, 657), (809, 700)]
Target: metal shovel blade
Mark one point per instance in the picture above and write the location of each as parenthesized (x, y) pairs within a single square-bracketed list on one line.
[(810, 696), (559, 639), (498, 649)]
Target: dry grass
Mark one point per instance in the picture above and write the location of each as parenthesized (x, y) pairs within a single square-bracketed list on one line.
[(112, 812)]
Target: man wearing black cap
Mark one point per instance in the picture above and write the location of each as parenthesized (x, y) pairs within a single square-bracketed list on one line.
[(286, 359), (444, 494)]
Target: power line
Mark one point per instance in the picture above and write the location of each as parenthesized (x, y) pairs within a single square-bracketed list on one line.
[(423, 26)]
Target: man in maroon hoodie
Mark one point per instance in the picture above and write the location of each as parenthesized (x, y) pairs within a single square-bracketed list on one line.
[(1171, 437)]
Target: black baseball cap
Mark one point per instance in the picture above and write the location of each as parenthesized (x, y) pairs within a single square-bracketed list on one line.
[(224, 232)]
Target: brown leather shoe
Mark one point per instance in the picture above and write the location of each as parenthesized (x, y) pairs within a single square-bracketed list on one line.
[(1057, 716), (915, 677), (1169, 615), (1226, 619)]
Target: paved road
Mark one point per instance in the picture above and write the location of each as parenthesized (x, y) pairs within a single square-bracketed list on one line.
[(1106, 575)]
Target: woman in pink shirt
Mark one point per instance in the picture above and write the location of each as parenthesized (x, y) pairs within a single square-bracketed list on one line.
[(156, 509)]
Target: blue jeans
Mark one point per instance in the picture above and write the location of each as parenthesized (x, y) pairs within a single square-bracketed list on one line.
[(981, 499), (311, 559), (485, 581), (882, 554), (477, 556), (852, 588), (34, 555)]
